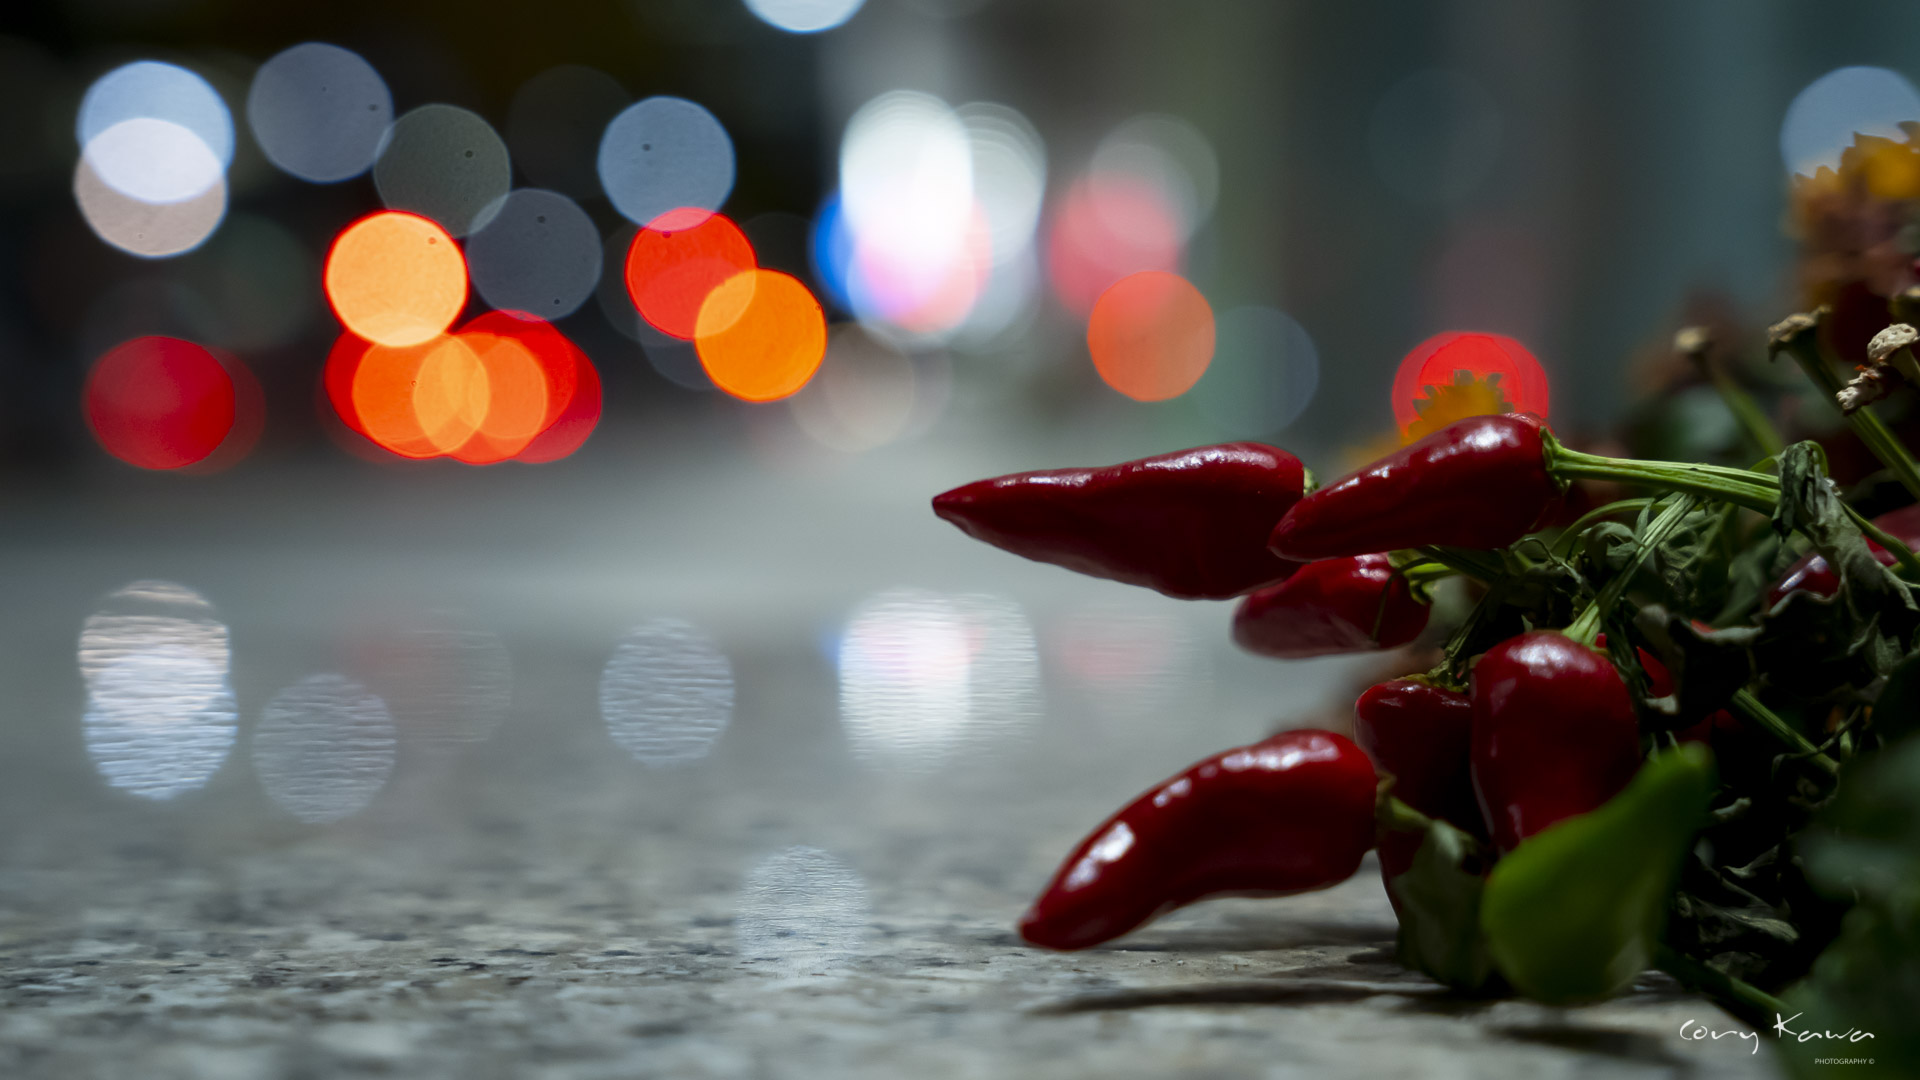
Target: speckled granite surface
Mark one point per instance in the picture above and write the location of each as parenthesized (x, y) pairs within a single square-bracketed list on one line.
[(541, 904)]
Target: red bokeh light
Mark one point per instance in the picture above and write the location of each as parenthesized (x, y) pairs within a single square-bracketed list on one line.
[(159, 402), (1106, 228), (1500, 375), (1151, 336), (678, 259)]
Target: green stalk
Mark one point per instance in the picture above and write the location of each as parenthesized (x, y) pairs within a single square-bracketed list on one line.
[(1571, 534), (1424, 575), (1902, 554), (1697, 344), (1755, 491), (1799, 337), (1475, 564), (1751, 709), (1742, 999), (1586, 626)]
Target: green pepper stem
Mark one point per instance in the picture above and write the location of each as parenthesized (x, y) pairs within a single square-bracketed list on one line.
[(1742, 999), (1798, 336), (1755, 491), (1586, 626), (1902, 554), (1749, 707), (1396, 816), (1563, 545), (1423, 575), (1474, 564)]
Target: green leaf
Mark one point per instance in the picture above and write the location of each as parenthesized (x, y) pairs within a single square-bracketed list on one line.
[(1439, 898), (1897, 712), (1867, 845), (1881, 604), (1574, 912)]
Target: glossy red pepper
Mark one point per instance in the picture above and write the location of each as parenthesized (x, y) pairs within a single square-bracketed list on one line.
[(1554, 733), (1420, 734), (1476, 483), (1191, 524), (1355, 604), (1812, 574), (1289, 814)]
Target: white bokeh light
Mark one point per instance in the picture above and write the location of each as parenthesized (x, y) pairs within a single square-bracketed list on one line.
[(925, 677), (666, 693), (154, 161), (324, 748), (906, 189), (160, 717), (151, 90), (804, 16), (149, 230), (539, 253), (662, 154), (1824, 117), (445, 163), (801, 913), (319, 112)]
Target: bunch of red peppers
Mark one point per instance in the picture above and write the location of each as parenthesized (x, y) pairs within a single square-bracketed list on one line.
[(1651, 743)]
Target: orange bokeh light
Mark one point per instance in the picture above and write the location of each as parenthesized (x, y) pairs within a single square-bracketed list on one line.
[(1455, 375), (396, 279), (678, 259), (1151, 335), (159, 402), (761, 335), (505, 387)]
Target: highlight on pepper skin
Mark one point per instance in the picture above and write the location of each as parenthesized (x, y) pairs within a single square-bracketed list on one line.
[(1290, 814)]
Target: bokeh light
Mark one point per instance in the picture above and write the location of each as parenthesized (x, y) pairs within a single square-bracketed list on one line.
[(396, 279), (319, 112), (801, 914), (554, 126), (1264, 373), (1435, 136), (761, 335), (150, 230), (926, 677), (159, 403), (166, 93), (324, 748), (249, 418), (1151, 336), (666, 693), (863, 396), (1105, 228), (804, 16), (677, 260), (154, 161), (1824, 117), (662, 154), (445, 163), (421, 400), (260, 283), (447, 685), (1455, 375), (1168, 155), (539, 253), (917, 246), (571, 390), (1125, 661), (160, 717), (1009, 164)]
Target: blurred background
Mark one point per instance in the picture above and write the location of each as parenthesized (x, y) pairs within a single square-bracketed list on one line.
[(434, 430)]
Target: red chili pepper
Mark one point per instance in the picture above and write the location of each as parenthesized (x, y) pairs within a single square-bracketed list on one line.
[(1476, 483), (1812, 574), (1290, 814), (1333, 606), (1419, 733), (1191, 524), (1554, 733)]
